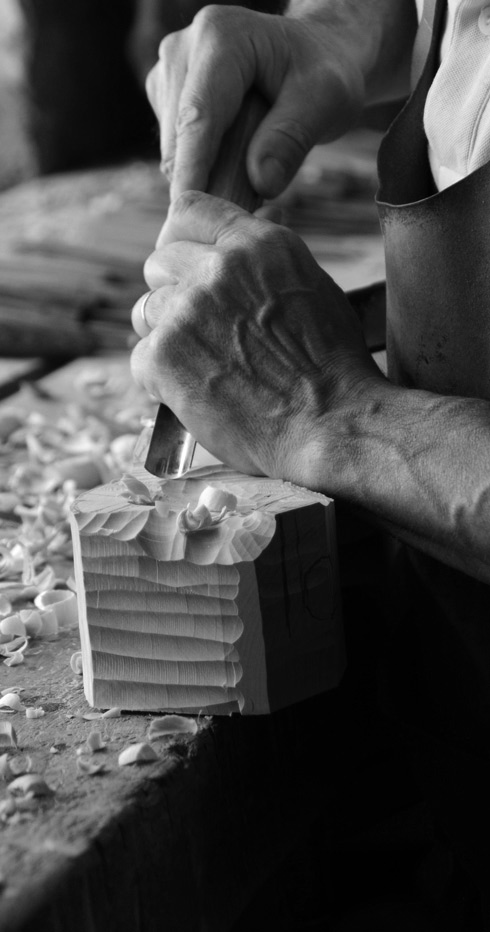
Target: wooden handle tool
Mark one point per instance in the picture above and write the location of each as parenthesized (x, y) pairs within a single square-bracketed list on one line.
[(171, 446)]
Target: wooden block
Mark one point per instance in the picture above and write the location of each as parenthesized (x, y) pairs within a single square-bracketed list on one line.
[(241, 615)]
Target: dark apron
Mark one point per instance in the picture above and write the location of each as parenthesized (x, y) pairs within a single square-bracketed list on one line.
[(436, 682)]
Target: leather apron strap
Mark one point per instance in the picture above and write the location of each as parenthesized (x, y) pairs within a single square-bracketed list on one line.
[(422, 42)]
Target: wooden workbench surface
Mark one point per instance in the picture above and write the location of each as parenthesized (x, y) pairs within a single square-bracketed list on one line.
[(187, 839)]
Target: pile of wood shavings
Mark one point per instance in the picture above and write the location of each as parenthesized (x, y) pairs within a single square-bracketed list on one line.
[(51, 452)]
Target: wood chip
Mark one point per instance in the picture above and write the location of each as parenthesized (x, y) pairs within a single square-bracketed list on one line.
[(30, 785), (137, 754), (171, 725), (76, 662), (12, 701)]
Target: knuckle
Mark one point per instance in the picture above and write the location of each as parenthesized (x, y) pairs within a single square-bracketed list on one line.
[(209, 18), (274, 237), (167, 165), (185, 203), (150, 269), (190, 115), (168, 45)]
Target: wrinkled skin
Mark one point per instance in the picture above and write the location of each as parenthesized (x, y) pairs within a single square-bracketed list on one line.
[(252, 345)]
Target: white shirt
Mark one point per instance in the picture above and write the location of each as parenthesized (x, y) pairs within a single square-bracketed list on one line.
[(456, 117)]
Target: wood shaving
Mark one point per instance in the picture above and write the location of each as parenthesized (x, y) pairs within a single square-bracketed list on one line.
[(35, 712), (76, 662), (49, 454), (30, 785), (171, 725), (20, 765), (13, 625), (137, 754), (33, 621), (14, 660), (12, 701), (93, 744)]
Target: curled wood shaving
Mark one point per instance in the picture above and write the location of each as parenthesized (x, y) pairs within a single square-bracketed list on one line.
[(12, 701), (115, 712), (13, 625), (14, 660), (76, 662), (12, 647), (212, 508), (137, 754), (171, 725), (33, 621), (14, 651), (30, 785), (50, 624)]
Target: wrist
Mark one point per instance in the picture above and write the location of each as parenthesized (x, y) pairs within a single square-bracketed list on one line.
[(334, 452)]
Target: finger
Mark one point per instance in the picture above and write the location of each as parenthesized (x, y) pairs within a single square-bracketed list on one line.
[(140, 362), (164, 91), (148, 310), (172, 265), (287, 133), (220, 69), (202, 218)]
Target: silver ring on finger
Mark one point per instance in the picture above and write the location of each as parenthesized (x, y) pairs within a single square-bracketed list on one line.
[(143, 308)]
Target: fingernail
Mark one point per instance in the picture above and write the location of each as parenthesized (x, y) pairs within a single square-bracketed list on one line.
[(274, 176)]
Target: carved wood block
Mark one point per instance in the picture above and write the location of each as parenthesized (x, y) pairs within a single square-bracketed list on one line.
[(239, 615)]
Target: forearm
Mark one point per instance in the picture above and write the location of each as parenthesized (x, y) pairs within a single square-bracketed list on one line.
[(378, 34), (419, 464)]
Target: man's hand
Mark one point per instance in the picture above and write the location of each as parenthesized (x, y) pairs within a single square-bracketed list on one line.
[(250, 343), (309, 71)]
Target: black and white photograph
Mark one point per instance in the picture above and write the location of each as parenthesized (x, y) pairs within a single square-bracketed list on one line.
[(244, 466)]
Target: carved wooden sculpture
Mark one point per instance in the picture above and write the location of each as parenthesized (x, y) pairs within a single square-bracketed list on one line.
[(215, 594)]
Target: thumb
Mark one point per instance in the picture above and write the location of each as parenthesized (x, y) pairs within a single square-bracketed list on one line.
[(287, 133)]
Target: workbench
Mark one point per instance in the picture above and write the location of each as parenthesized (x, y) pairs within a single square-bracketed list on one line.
[(189, 841)]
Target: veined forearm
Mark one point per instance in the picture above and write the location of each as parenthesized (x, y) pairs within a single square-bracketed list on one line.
[(379, 34), (419, 464)]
